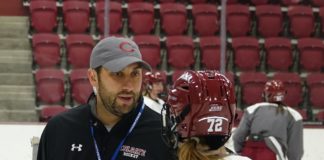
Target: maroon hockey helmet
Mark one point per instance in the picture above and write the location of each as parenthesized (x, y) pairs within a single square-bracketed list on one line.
[(274, 91), (202, 104), (152, 77)]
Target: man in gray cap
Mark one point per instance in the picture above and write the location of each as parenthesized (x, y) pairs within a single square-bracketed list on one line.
[(115, 123)]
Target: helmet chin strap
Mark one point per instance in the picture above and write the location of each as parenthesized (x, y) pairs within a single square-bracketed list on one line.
[(169, 125)]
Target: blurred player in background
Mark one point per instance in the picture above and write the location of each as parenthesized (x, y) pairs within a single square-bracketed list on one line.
[(153, 90), (273, 130)]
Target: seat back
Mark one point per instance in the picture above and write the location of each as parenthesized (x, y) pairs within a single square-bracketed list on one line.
[(318, 3), (180, 51), (43, 15), (315, 85), (270, 20), (278, 53), (46, 49), (173, 18), (252, 85), (141, 17), (205, 19), (290, 2), (150, 49), (210, 52), (238, 20), (115, 17), (78, 49), (259, 2), (49, 111), (50, 86), (81, 88), (301, 20), (198, 1), (246, 53), (76, 16), (311, 54)]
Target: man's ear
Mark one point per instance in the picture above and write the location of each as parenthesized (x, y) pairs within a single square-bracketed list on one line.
[(92, 76)]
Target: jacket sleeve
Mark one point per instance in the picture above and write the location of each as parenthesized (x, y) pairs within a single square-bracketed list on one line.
[(241, 132), (47, 143), (295, 141), (41, 153)]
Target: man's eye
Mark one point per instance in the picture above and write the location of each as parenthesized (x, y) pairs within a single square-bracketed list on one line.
[(136, 73), (118, 74)]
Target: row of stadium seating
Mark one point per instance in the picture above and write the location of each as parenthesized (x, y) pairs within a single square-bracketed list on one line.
[(174, 19), (247, 53), (315, 3), (52, 87), (52, 84)]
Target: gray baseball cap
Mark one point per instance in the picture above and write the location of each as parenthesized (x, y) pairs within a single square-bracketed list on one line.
[(116, 53)]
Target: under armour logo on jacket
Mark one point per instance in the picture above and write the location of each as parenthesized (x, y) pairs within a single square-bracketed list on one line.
[(79, 147)]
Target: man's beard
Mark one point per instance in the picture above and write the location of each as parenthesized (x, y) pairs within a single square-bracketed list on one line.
[(109, 101)]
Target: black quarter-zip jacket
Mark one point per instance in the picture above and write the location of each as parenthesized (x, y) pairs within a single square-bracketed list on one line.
[(67, 136)]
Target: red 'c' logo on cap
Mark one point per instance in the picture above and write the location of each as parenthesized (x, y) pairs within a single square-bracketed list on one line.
[(126, 46)]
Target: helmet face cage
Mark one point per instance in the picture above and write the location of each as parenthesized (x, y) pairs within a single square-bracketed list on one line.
[(202, 104), (274, 91)]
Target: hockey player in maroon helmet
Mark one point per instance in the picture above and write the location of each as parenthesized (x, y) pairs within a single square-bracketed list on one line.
[(274, 130), (198, 116), (153, 88), (274, 91)]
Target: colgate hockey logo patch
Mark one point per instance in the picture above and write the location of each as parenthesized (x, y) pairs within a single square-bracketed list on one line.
[(133, 152)]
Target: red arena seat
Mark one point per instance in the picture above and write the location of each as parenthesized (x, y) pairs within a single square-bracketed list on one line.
[(315, 84), (252, 85), (180, 51), (238, 20), (49, 111), (46, 49), (270, 20), (173, 18), (246, 53), (150, 49), (76, 16), (115, 17), (278, 53), (80, 86), (78, 50), (311, 54), (301, 20), (210, 52), (141, 17), (49, 86), (43, 15), (205, 18)]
